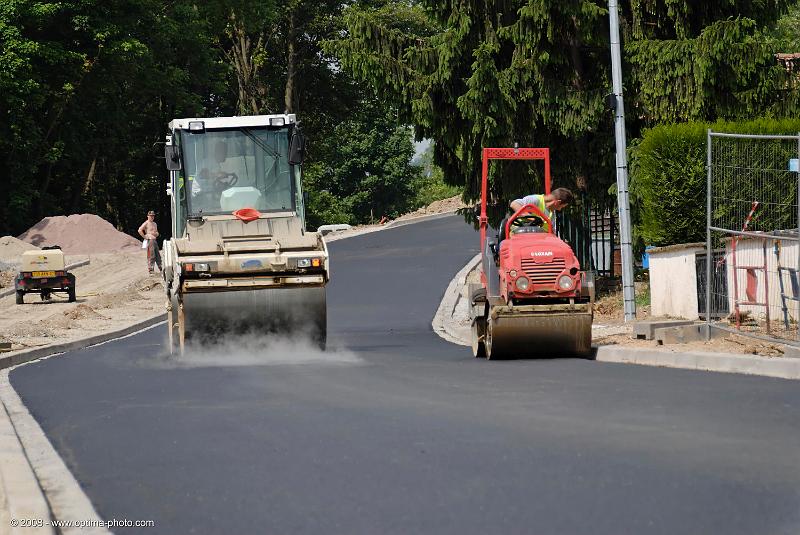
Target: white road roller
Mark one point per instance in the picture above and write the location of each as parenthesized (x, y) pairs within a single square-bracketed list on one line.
[(240, 258)]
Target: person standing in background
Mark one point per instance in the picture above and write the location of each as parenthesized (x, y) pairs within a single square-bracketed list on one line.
[(149, 231)]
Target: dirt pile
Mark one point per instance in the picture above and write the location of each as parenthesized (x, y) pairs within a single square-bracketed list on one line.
[(11, 248), (79, 234), (450, 204)]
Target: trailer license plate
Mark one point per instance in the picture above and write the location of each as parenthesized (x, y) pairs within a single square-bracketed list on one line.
[(44, 273)]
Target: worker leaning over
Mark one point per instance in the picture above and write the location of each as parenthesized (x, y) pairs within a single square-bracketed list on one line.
[(149, 231), (549, 204)]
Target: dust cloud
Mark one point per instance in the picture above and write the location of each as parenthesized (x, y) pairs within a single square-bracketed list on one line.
[(256, 349)]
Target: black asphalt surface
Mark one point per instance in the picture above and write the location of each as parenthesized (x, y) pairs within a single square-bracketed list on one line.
[(401, 432)]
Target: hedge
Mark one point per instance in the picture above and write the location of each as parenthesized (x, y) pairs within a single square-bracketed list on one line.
[(668, 177)]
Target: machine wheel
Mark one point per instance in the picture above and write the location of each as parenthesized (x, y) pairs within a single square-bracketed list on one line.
[(20, 297), (491, 353), (478, 334), (45, 296), (71, 294)]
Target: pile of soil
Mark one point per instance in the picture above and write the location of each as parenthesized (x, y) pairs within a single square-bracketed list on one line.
[(80, 234), (450, 204), (11, 248)]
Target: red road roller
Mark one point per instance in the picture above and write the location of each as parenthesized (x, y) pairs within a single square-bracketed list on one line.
[(534, 300)]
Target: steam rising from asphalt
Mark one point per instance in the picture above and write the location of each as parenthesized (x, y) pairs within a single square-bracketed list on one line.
[(257, 350)]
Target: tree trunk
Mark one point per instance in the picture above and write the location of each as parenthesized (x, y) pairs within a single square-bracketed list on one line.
[(581, 180), (87, 183), (291, 61), (251, 92)]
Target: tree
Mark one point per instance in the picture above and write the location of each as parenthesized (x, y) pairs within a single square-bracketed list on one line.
[(366, 173), (704, 60), (87, 88), (473, 74)]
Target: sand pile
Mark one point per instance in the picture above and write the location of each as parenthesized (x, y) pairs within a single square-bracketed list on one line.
[(80, 234), (11, 248), (437, 207)]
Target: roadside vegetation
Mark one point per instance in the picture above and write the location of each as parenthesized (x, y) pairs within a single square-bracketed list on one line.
[(87, 88)]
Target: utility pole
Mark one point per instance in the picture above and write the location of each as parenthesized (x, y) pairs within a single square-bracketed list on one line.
[(622, 166)]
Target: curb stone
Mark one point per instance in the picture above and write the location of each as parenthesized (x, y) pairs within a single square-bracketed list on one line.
[(352, 233), (447, 327), (781, 367), (22, 357), (21, 497), (51, 487), (454, 301)]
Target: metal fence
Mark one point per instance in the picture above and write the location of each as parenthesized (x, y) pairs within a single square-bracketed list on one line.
[(591, 233), (752, 249)]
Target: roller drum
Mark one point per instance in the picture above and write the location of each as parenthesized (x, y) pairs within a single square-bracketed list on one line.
[(291, 311), (539, 335)]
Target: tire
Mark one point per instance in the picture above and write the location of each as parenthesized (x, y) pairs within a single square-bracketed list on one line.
[(71, 294), (478, 333), (491, 354), (20, 297)]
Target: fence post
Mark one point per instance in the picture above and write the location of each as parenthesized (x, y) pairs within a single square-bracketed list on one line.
[(709, 255), (797, 202)]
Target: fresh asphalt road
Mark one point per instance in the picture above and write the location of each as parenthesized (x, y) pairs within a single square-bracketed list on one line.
[(398, 431)]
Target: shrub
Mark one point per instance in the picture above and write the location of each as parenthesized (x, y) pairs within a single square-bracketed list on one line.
[(668, 177)]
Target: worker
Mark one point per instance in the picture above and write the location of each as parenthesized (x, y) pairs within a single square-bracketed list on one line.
[(549, 204), (149, 231)]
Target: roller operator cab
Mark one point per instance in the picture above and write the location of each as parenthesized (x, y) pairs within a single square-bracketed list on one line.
[(240, 259), (534, 299)]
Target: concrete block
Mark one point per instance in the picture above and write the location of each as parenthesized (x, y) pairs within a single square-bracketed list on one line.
[(684, 333), (785, 368), (646, 329), (790, 351)]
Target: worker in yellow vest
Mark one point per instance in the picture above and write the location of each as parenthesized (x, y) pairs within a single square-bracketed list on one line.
[(549, 204)]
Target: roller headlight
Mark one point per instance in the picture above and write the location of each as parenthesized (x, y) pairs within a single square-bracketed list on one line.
[(522, 283), (309, 262), (565, 282), (197, 267)]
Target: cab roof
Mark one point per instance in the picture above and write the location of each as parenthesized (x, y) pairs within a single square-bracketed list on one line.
[(212, 123)]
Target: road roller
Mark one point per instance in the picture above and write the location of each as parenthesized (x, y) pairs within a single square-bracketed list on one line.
[(240, 259), (533, 300)]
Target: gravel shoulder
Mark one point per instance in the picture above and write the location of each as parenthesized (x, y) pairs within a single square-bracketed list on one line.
[(113, 291)]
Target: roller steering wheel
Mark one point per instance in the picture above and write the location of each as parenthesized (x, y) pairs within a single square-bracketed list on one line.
[(226, 180), (529, 220)]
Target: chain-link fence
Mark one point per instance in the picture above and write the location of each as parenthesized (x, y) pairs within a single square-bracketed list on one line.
[(749, 274)]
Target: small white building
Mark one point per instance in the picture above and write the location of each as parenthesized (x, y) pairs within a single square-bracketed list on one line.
[(677, 278)]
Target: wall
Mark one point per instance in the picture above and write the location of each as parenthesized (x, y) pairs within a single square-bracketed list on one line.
[(673, 281)]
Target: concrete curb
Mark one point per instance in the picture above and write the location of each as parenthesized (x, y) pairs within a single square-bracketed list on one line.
[(421, 219), (11, 291), (40, 352), (57, 495), (781, 367), (352, 233), (443, 323), (21, 497), (449, 329)]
